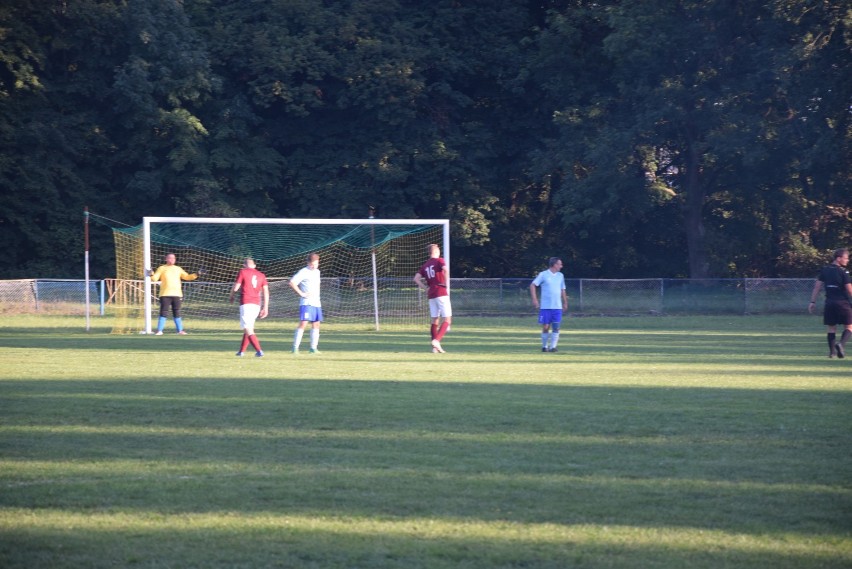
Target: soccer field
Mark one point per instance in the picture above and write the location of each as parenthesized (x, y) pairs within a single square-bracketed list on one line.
[(646, 442)]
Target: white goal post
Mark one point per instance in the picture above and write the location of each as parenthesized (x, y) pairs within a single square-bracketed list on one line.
[(392, 230)]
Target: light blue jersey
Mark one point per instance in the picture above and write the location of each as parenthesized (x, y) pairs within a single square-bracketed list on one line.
[(308, 281), (552, 284)]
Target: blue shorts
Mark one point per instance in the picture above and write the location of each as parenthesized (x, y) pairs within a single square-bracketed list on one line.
[(549, 315), (310, 313)]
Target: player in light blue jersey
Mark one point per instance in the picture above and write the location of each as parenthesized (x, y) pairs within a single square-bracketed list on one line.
[(306, 283), (554, 301)]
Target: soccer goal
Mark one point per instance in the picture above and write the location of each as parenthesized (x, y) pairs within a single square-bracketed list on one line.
[(367, 265)]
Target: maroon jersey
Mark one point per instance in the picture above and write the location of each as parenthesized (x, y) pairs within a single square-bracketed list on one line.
[(251, 283), (433, 271)]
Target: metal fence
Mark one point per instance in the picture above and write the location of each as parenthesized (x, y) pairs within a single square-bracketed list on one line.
[(52, 296), (480, 297)]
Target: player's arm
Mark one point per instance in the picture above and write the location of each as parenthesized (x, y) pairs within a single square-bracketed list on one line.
[(295, 286), (533, 294), (418, 280), (155, 276), (235, 290), (446, 271), (564, 300), (184, 276), (815, 294), (264, 311)]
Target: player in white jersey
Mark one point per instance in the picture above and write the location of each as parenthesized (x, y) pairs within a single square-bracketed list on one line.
[(554, 301), (306, 283)]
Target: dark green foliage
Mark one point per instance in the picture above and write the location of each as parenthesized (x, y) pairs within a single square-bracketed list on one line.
[(633, 139)]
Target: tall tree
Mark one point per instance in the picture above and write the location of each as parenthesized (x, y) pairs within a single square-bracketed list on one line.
[(677, 116), (394, 105), (52, 143)]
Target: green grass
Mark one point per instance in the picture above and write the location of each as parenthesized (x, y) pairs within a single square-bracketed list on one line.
[(667, 442)]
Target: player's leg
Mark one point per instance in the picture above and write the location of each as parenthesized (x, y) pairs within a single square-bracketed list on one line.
[(544, 320), (442, 317), (435, 342), (176, 305), (442, 329), (244, 342), (248, 316), (445, 311), (554, 337), (315, 334), (243, 345), (165, 305), (435, 315), (255, 343), (297, 336), (443, 325), (840, 347), (843, 318), (829, 318), (545, 338)]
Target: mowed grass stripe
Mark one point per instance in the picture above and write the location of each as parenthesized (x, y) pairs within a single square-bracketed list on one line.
[(646, 442)]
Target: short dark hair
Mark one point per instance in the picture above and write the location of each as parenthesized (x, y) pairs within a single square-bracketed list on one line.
[(840, 252), (552, 261)]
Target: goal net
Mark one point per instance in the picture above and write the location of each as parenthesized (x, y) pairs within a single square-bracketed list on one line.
[(366, 266)]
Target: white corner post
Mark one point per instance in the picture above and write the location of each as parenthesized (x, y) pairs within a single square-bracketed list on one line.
[(86, 263), (446, 224), (146, 264)]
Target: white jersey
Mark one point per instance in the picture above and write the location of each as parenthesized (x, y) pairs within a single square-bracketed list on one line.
[(308, 281), (552, 284)]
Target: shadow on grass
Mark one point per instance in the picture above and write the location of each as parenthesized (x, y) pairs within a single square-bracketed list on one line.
[(720, 459), (282, 545)]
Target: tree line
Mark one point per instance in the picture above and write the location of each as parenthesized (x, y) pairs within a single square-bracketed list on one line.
[(665, 138)]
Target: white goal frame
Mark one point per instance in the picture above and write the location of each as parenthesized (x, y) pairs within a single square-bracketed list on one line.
[(146, 237)]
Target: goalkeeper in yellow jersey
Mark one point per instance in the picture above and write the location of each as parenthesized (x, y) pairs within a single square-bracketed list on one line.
[(171, 295)]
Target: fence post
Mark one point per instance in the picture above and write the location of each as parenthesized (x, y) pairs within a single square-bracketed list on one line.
[(103, 296), (581, 295)]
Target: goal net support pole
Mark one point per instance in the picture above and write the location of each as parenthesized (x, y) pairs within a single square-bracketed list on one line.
[(86, 264)]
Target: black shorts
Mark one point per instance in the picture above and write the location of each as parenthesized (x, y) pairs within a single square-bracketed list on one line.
[(837, 312), (172, 302)]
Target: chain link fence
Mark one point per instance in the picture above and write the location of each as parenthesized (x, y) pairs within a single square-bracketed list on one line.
[(51, 296), (475, 297)]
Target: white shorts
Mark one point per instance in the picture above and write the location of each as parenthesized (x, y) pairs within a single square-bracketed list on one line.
[(248, 315), (440, 307)]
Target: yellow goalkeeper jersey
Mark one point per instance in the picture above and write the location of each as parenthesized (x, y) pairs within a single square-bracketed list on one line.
[(170, 277)]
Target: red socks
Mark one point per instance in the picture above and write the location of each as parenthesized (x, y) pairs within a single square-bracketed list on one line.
[(254, 342), (441, 331), (250, 340)]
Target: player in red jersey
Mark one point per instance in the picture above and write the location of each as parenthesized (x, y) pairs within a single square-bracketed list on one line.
[(434, 277), (255, 292)]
